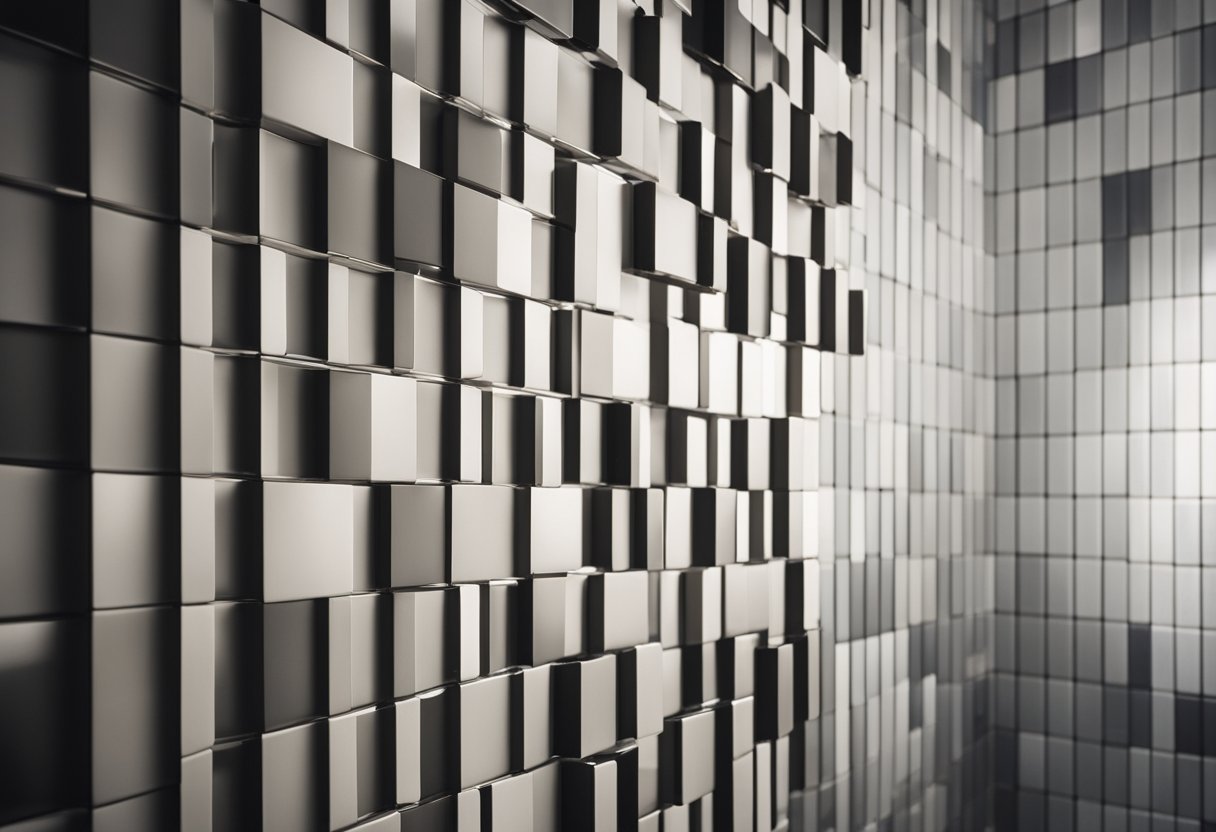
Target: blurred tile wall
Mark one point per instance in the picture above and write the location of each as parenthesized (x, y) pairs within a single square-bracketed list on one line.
[(1102, 122)]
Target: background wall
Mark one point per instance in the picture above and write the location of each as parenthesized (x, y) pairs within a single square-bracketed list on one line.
[(546, 415), (1099, 188)]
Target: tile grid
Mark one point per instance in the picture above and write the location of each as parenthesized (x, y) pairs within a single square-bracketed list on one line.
[(1099, 195)]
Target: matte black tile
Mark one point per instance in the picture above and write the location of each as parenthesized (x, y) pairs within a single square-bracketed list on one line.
[(1189, 733), (1114, 206), (1208, 53), (1207, 719), (1139, 656), (45, 240), (1061, 89), (1139, 20)]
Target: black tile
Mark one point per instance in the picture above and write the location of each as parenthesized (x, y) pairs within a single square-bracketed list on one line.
[(1061, 92), (1032, 811), (815, 16), (1188, 725), (1139, 20), (1139, 656), (1114, 206), (1209, 727)]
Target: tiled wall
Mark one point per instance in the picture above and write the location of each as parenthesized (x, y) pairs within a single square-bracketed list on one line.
[(428, 415), (1101, 123)]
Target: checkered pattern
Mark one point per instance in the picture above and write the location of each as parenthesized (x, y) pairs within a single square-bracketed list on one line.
[(1099, 189), (571, 414)]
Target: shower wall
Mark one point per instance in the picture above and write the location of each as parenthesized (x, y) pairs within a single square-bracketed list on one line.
[(1101, 196), (550, 414)]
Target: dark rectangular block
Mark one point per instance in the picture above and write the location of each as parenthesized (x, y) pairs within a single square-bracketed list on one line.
[(619, 118), (46, 394), (589, 795), (437, 721), (857, 322), (47, 113), (850, 24), (770, 130), (647, 534), (44, 238), (133, 141), (1060, 88), (774, 691), (47, 725), (1114, 206), (713, 526), (844, 170), (611, 510), (748, 286), (1139, 186), (698, 675), (695, 158), (712, 257), (45, 567), (1189, 725), (827, 309)]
